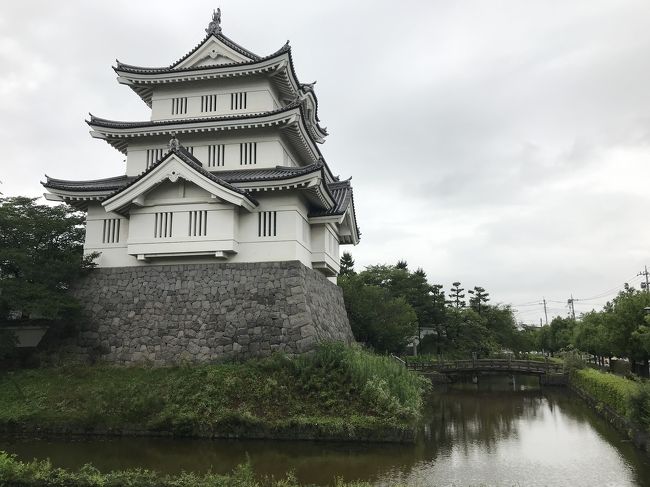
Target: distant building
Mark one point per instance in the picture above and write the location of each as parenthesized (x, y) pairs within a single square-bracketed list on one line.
[(227, 168)]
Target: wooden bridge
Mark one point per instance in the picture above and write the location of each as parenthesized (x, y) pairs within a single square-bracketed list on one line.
[(478, 366)]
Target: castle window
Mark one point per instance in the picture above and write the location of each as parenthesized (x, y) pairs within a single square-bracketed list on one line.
[(190, 149), (216, 155), (163, 224), (208, 103), (248, 153), (267, 223), (198, 226), (111, 230), (179, 105), (238, 101), (153, 156)]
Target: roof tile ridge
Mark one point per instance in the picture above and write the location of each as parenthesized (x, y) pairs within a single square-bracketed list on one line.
[(341, 184), (286, 108), (147, 69), (120, 66), (232, 44), (189, 158), (192, 51), (220, 37), (100, 180), (191, 161)]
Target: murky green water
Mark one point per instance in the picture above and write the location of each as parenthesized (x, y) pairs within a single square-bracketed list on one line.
[(488, 434)]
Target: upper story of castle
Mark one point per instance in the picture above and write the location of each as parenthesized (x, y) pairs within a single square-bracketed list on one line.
[(231, 107)]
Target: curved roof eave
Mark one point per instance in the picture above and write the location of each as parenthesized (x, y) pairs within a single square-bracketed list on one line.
[(193, 164), (151, 75), (97, 124)]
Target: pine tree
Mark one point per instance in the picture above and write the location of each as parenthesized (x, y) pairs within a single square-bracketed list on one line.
[(478, 299), (347, 265), (456, 296)]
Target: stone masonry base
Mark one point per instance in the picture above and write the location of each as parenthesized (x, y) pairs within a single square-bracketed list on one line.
[(169, 314)]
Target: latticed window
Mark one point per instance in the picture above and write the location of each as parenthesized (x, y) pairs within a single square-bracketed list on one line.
[(179, 105), (208, 103), (198, 226), (248, 153), (163, 223), (238, 101), (153, 156), (216, 155), (111, 230), (267, 223)]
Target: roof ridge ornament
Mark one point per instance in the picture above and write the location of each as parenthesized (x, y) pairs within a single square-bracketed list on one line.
[(214, 27), (174, 144)]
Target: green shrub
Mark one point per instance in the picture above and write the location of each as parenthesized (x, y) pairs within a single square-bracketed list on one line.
[(613, 391), (386, 386)]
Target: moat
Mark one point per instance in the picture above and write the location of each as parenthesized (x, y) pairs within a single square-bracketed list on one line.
[(496, 433)]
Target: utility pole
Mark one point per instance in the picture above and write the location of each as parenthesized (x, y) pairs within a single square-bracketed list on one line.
[(645, 273), (545, 313), (573, 310)]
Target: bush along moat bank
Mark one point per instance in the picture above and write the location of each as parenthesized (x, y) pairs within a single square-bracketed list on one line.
[(623, 402), (42, 473), (335, 393)]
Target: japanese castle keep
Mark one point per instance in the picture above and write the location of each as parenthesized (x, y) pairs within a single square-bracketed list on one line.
[(223, 236)]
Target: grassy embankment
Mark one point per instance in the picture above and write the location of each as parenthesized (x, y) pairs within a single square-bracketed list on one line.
[(37, 474), (335, 393)]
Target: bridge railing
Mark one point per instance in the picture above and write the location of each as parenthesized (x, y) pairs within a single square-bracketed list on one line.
[(530, 366)]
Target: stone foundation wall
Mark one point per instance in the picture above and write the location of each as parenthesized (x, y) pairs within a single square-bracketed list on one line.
[(167, 314)]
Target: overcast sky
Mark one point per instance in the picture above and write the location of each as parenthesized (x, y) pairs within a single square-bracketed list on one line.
[(504, 144)]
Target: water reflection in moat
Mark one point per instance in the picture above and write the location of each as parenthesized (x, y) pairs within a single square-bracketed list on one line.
[(484, 434)]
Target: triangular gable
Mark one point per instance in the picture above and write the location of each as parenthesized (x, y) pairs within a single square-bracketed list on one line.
[(172, 167), (213, 51)]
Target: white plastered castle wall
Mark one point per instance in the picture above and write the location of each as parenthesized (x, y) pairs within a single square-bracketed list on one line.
[(260, 97), (270, 150), (227, 228)]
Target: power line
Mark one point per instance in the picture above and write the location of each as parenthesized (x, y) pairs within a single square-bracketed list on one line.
[(603, 294)]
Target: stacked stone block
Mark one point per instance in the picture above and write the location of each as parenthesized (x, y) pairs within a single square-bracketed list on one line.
[(169, 314)]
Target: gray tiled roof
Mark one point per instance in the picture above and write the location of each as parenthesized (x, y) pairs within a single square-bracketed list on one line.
[(226, 40), (344, 197), (173, 69), (108, 184), (184, 155), (277, 173), (268, 174), (103, 122), (341, 191), (129, 68)]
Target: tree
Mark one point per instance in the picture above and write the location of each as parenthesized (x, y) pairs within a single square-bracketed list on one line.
[(592, 335), (347, 264), (501, 325), (479, 298), (456, 296), (560, 334), (398, 282), (625, 319), (385, 323), (41, 255)]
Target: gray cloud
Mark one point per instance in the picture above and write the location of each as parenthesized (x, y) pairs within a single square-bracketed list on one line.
[(503, 144)]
